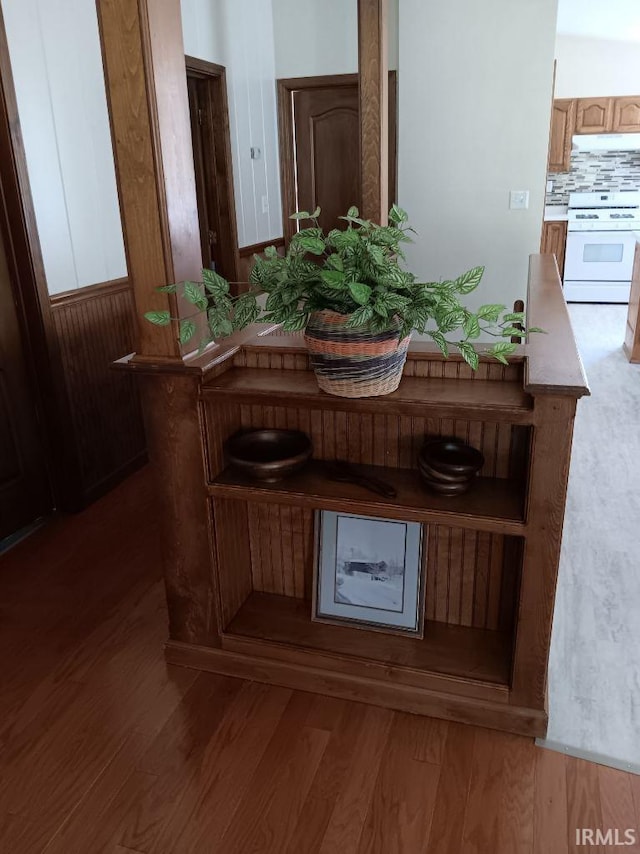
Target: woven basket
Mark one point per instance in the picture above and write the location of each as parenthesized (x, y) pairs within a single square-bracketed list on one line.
[(354, 362)]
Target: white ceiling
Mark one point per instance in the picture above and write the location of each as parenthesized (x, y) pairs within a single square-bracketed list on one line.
[(618, 20)]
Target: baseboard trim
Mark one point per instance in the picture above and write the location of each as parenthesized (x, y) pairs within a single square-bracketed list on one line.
[(404, 698), (101, 488)]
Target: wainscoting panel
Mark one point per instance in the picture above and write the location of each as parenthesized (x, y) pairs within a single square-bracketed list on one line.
[(95, 326)]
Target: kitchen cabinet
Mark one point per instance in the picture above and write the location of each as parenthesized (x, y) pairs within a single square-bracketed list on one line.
[(563, 120), (594, 115), (626, 115), (554, 242)]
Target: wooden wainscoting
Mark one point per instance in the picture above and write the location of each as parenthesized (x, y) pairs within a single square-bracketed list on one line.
[(95, 326)]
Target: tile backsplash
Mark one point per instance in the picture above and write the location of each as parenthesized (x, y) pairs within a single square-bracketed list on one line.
[(596, 170)]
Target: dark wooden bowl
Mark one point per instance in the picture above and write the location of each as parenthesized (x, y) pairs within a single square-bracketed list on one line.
[(442, 488), (450, 456), (269, 455), (441, 477)]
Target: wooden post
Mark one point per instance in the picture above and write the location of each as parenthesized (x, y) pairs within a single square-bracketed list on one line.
[(548, 478), (374, 108), (143, 55), (145, 75)]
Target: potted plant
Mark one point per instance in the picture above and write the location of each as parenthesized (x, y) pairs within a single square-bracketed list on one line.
[(355, 302)]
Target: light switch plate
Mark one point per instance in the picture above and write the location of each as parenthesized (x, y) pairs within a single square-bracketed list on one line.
[(518, 200)]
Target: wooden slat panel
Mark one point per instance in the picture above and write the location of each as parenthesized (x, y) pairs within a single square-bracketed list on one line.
[(93, 329), (234, 556), (221, 422), (472, 578), (281, 539)]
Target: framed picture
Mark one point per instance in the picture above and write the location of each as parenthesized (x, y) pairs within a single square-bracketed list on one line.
[(369, 572)]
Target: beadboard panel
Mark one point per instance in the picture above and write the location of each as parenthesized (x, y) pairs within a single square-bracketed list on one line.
[(95, 326), (472, 578), (234, 559), (260, 356), (281, 540)]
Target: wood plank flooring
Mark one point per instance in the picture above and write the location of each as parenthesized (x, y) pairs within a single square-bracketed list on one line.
[(104, 749)]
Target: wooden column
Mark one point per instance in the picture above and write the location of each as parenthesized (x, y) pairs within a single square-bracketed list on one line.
[(143, 55), (374, 108), (548, 477)]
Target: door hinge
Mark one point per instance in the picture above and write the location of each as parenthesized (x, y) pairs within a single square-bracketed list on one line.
[(200, 116)]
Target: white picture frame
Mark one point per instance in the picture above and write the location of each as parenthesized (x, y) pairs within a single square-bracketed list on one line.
[(369, 572)]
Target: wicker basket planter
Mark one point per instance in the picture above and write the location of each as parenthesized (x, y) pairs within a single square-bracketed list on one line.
[(354, 362)]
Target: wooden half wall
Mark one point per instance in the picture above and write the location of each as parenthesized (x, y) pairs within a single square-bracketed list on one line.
[(94, 326)]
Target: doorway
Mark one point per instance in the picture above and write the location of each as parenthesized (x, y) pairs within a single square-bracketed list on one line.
[(319, 134), (209, 112)]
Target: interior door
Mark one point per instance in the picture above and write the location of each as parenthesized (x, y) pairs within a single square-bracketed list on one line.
[(24, 484), (206, 84), (320, 146)]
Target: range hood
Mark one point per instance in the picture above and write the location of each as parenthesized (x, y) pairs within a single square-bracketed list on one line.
[(606, 142)]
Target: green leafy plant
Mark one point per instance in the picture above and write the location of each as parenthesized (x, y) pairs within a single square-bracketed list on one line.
[(355, 271)]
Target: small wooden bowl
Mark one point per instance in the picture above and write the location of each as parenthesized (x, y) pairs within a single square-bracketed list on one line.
[(269, 455), (440, 477), (449, 489), (450, 456)]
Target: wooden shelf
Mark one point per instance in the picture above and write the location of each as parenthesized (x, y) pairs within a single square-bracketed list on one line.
[(450, 398), (492, 504), (467, 653)]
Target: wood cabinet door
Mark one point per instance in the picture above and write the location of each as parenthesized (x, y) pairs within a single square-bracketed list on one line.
[(594, 115), (554, 242), (626, 115), (563, 120)]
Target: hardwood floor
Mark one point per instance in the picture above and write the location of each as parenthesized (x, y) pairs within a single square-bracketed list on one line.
[(104, 749)]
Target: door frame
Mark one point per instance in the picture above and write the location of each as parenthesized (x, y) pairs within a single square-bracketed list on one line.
[(216, 127), (285, 89), (29, 285)]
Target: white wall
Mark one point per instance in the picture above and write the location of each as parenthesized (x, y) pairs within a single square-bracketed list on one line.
[(239, 35), (55, 56), (317, 37), (590, 67), (474, 102)]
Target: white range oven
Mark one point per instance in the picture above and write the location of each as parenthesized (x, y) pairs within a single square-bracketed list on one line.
[(600, 246)]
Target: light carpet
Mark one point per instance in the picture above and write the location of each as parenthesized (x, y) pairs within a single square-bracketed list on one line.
[(594, 679)]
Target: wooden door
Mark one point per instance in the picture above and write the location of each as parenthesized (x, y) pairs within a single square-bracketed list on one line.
[(24, 483), (626, 115), (320, 146), (594, 115), (210, 136), (563, 120), (554, 242)]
